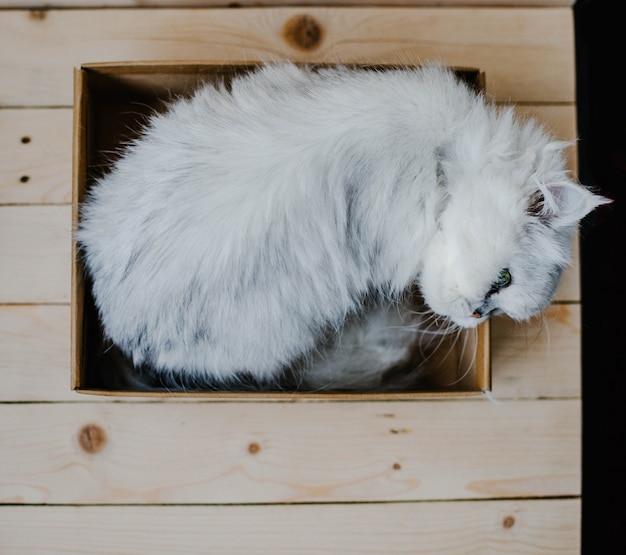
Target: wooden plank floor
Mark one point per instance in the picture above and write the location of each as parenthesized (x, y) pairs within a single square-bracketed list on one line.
[(83, 474)]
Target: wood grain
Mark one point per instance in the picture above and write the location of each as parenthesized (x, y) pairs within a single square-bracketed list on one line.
[(46, 156), (526, 52), (35, 156), (184, 476), (290, 452), (269, 3), (35, 253), (35, 353), (538, 359), (569, 286), (511, 527)]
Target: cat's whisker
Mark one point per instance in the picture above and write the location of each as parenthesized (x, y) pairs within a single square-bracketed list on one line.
[(471, 359)]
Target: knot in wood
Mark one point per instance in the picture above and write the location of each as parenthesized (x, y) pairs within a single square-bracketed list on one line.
[(91, 438), (303, 32), (508, 522), (38, 15)]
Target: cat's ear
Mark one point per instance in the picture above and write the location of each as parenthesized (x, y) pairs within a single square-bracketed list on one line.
[(564, 204)]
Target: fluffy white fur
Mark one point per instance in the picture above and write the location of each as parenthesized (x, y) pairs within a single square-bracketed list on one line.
[(243, 228)]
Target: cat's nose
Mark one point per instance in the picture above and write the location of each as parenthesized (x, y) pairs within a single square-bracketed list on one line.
[(483, 310)]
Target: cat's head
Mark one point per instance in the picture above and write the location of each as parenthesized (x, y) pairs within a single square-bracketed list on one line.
[(506, 228)]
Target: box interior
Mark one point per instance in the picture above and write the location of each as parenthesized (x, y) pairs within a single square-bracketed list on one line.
[(112, 102)]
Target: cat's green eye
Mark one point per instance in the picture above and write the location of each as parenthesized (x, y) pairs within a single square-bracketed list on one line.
[(504, 279)]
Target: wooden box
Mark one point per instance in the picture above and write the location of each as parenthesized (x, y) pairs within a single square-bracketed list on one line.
[(111, 100)]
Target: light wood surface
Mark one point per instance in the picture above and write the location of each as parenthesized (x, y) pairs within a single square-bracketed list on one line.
[(511, 527), (290, 452), (527, 55), (258, 3), (533, 360), (86, 474)]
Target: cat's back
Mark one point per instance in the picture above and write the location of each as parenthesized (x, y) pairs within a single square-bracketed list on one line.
[(296, 106), (281, 95)]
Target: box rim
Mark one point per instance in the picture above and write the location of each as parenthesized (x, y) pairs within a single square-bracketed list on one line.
[(79, 172), (482, 357)]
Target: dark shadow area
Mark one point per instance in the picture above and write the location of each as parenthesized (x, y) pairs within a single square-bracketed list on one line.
[(600, 47)]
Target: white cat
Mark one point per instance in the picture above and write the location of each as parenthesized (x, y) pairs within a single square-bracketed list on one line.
[(246, 226)]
